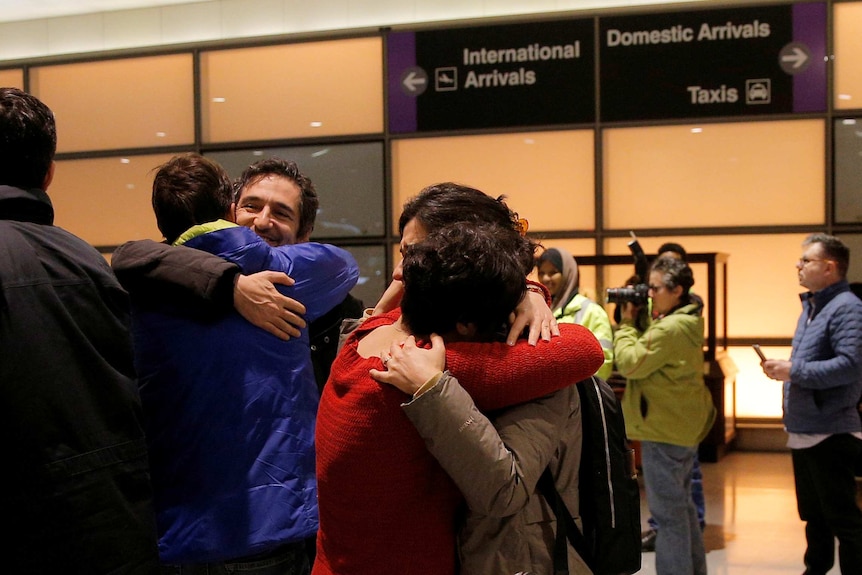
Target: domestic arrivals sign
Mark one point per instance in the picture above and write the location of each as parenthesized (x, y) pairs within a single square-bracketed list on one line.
[(533, 74), (747, 61)]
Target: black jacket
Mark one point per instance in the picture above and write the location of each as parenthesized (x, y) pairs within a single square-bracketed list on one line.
[(75, 492)]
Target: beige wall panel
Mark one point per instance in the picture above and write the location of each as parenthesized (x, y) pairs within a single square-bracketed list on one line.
[(117, 104), (847, 34), (738, 174), (293, 91), (106, 201), (13, 78), (547, 177)]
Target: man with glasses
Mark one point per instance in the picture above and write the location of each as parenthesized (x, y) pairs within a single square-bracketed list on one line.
[(667, 408), (822, 384)]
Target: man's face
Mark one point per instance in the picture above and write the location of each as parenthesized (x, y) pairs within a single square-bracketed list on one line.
[(413, 232), (271, 207), (815, 272)]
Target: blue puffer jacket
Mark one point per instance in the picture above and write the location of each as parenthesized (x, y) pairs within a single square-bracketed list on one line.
[(230, 409), (826, 375)]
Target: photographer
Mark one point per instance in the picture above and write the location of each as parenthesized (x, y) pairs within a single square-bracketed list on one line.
[(667, 408)]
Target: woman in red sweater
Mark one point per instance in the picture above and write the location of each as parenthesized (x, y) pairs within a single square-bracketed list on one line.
[(386, 506)]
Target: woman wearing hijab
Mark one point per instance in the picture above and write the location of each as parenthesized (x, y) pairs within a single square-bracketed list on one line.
[(558, 271)]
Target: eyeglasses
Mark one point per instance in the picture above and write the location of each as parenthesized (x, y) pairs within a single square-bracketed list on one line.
[(655, 289), (806, 261)]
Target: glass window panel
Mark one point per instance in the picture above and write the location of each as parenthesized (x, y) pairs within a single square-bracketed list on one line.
[(296, 90), (847, 22), (737, 174), (106, 201), (118, 104), (762, 285), (848, 170), (348, 179), (373, 278), (12, 78), (547, 177)]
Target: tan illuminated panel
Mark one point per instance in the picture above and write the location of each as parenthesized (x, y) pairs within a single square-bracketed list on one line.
[(106, 201), (847, 33), (123, 103), (763, 286), (756, 394), (13, 78), (291, 91), (740, 174), (547, 177)]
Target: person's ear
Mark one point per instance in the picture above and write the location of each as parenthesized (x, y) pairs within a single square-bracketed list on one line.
[(231, 214), (49, 176), (677, 292)]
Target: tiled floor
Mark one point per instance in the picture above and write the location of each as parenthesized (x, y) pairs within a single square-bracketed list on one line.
[(752, 524)]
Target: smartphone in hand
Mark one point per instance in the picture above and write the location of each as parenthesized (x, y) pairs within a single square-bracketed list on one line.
[(759, 352)]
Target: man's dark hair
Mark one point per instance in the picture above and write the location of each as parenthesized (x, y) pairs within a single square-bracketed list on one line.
[(189, 190), (464, 273), (674, 272), (28, 139), (833, 249), (308, 200), (673, 248), (449, 203)]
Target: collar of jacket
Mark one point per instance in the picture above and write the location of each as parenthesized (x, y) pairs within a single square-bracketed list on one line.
[(25, 205), (820, 298)]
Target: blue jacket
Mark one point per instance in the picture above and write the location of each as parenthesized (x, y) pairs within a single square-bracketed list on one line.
[(230, 409), (826, 373)]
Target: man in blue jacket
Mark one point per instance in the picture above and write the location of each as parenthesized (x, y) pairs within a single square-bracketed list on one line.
[(229, 409), (76, 495), (822, 384)]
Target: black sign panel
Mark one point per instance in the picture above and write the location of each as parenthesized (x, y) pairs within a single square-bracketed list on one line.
[(752, 61), (532, 74)]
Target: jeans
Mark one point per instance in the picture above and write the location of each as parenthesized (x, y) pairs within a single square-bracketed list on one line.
[(696, 495), (291, 559), (667, 477), (826, 497)]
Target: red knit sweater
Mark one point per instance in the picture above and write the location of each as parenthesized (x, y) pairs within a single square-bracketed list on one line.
[(386, 506)]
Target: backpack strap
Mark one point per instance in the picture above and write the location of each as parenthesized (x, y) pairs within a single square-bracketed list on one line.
[(566, 526)]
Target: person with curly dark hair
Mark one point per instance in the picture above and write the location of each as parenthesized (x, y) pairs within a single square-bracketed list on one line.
[(386, 504)]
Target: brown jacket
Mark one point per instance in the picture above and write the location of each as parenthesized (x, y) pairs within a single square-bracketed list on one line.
[(509, 527)]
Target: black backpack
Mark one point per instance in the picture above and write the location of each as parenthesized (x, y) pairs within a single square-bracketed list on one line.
[(609, 494)]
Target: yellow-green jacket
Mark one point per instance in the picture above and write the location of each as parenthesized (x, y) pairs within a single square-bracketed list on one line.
[(665, 398), (586, 312)]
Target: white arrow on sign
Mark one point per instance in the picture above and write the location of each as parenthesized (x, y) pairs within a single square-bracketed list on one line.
[(798, 57), (413, 81)]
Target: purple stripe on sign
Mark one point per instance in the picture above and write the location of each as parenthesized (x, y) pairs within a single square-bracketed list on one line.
[(809, 86), (401, 55)]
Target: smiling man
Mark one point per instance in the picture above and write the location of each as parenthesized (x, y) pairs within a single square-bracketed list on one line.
[(822, 384)]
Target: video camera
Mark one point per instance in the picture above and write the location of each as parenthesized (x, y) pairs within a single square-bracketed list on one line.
[(637, 293)]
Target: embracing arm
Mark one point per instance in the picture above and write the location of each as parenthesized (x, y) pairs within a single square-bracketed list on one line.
[(151, 269), (496, 471), (497, 375), (206, 285)]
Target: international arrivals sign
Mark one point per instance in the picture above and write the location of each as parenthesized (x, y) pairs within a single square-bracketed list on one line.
[(532, 74)]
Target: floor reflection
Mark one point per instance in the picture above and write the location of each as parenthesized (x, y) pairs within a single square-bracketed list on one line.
[(752, 524)]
